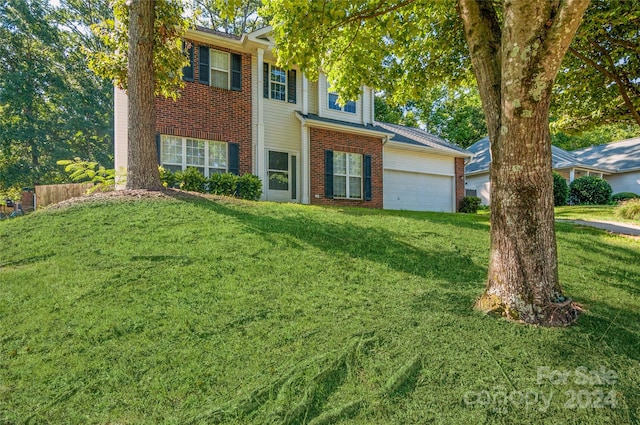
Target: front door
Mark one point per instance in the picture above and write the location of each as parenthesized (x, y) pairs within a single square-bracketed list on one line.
[(282, 176)]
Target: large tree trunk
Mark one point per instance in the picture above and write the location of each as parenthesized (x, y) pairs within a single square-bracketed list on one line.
[(142, 160), (516, 59)]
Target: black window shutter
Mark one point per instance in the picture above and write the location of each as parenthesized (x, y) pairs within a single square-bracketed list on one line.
[(236, 72), (291, 83), (367, 177), (187, 71), (328, 174), (265, 82), (203, 61), (158, 154), (234, 158)]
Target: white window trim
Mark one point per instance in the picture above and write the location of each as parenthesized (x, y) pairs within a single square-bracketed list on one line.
[(184, 164), (212, 68), (348, 175), (340, 108), (285, 84)]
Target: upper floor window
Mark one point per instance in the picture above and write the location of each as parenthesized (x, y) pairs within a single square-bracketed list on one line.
[(279, 84), (350, 106), (208, 156), (219, 69)]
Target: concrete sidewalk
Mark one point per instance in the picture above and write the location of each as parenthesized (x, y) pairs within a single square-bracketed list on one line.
[(609, 226)]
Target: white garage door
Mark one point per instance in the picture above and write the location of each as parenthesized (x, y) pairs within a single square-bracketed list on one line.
[(417, 192)]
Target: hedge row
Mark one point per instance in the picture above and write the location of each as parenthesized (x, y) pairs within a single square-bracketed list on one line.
[(247, 186)]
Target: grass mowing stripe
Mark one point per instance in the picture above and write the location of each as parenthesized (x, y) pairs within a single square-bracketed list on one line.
[(191, 310)]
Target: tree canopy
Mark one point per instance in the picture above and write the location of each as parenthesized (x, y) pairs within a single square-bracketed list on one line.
[(599, 83), (237, 18), (52, 107), (169, 54)]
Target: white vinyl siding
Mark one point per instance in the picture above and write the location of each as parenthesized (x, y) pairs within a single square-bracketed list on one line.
[(313, 97), (120, 108), (419, 162), (479, 183), (281, 127), (625, 182)]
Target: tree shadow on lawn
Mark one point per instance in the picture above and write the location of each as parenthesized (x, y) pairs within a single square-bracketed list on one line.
[(470, 221), (625, 276), (372, 244)]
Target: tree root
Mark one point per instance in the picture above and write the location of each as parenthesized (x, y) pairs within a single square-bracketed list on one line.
[(564, 312)]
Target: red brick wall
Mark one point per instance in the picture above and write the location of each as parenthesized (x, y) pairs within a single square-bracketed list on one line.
[(210, 113), (321, 140), (459, 182)]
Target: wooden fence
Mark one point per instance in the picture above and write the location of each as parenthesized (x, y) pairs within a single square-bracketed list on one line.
[(54, 193)]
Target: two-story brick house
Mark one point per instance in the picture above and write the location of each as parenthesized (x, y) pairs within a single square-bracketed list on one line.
[(240, 113)]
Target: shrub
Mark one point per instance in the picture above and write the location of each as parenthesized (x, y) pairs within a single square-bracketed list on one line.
[(560, 190), (249, 187), (167, 177), (222, 184), (629, 209), (589, 190), (470, 204), (623, 196), (191, 179)]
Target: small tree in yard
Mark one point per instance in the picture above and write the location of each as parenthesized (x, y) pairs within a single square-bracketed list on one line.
[(515, 49)]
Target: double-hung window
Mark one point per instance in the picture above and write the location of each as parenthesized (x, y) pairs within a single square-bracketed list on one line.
[(219, 69), (347, 175), (350, 106), (208, 156), (279, 84)]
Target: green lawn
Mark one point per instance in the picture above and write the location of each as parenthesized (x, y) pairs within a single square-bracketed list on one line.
[(590, 212), (193, 311)]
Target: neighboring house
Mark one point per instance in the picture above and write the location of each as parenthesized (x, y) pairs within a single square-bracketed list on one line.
[(565, 163), (240, 113), (622, 159)]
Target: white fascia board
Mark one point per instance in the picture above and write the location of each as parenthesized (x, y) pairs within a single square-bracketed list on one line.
[(416, 148), (584, 168), (343, 128), (213, 39)]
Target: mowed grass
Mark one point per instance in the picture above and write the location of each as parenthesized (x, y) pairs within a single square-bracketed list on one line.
[(590, 212), (197, 311)]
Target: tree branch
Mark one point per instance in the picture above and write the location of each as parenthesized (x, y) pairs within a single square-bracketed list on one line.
[(623, 85), (563, 26), (483, 34)]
